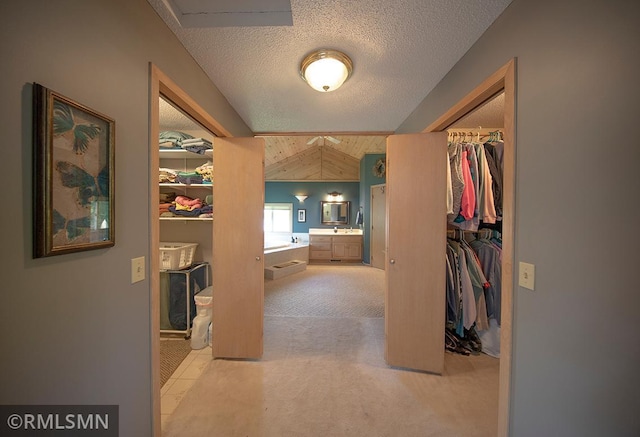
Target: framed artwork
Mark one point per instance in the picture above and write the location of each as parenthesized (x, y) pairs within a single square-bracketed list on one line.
[(302, 215), (73, 176)]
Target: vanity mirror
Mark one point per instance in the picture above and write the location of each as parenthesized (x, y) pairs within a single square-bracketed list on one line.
[(334, 213)]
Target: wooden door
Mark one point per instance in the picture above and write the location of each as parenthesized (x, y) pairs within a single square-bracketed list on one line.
[(238, 247), (378, 226), (416, 238)]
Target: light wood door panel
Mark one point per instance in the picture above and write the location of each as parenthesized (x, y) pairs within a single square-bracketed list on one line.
[(416, 238), (238, 235)]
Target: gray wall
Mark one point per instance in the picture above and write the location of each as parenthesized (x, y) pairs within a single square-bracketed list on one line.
[(73, 329), (576, 351)]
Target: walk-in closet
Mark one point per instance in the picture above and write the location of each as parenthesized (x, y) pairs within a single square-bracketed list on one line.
[(474, 230), (199, 204), (186, 200), (429, 238), (185, 215)]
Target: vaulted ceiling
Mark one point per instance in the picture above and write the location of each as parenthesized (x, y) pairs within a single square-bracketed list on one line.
[(400, 50)]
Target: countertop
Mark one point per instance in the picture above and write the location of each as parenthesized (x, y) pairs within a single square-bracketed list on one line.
[(330, 231)]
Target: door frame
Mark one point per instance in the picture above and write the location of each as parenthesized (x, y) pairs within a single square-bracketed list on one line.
[(383, 187), (504, 79), (162, 85)]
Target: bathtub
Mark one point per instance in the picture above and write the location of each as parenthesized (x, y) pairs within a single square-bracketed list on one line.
[(270, 246), (278, 252)]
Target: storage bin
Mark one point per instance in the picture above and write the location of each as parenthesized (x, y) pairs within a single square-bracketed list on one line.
[(203, 318), (176, 256), (178, 289)]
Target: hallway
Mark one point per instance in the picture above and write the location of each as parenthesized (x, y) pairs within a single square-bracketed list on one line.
[(325, 374)]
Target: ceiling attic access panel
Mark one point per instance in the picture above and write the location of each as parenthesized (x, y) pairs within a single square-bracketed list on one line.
[(237, 13)]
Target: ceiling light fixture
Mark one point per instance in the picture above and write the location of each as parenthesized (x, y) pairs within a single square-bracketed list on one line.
[(326, 70)]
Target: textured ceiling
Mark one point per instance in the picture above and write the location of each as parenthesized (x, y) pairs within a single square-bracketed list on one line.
[(400, 50), (489, 115), (171, 118)]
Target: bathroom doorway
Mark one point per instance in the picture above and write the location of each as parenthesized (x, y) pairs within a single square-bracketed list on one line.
[(378, 219)]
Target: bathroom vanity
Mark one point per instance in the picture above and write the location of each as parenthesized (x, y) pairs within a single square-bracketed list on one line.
[(327, 245)]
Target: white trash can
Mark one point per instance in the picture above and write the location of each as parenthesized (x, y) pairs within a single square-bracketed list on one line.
[(199, 331)]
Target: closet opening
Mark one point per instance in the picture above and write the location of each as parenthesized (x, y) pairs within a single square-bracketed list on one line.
[(496, 96), (186, 252), (173, 112)]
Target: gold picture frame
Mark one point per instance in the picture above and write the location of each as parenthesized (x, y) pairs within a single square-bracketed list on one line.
[(73, 174)]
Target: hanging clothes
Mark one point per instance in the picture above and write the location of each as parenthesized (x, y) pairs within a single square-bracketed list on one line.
[(496, 174), (471, 191), (468, 200), (472, 290), (449, 189), (473, 269), (474, 183), (490, 257), (457, 180)]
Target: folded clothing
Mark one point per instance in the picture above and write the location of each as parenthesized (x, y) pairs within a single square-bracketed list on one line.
[(164, 207), (199, 149), (167, 197), (197, 145), (196, 141), (186, 203), (189, 178), (169, 145), (206, 171), (167, 175), (207, 209), (170, 139)]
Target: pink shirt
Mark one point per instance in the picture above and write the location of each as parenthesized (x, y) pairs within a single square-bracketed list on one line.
[(468, 205)]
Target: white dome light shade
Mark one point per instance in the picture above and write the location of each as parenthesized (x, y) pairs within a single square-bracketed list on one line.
[(326, 74), (326, 70)]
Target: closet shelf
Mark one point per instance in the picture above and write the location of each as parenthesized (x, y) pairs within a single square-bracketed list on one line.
[(184, 154), (186, 219), (186, 185)]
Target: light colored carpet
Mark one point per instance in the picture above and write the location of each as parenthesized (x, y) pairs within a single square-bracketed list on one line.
[(327, 291), (326, 376), (172, 353)]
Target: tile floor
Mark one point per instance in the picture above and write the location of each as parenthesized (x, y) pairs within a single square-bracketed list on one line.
[(182, 380)]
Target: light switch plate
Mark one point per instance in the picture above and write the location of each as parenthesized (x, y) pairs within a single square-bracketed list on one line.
[(137, 269), (527, 275)]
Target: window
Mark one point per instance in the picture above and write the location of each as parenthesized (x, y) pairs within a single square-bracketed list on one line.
[(278, 218)]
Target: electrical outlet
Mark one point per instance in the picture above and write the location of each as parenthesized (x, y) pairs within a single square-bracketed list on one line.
[(527, 275), (137, 269)]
